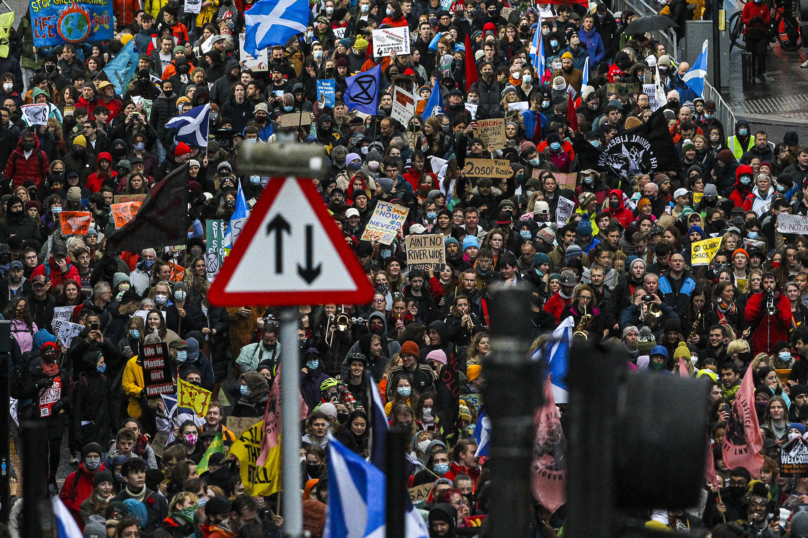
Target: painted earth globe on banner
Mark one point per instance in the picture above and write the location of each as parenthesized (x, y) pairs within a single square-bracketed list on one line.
[(74, 24)]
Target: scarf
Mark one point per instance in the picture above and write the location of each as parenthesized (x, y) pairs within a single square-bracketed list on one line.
[(50, 370), (138, 496)]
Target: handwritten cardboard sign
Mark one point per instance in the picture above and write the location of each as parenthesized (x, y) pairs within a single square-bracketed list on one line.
[(492, 132), (792, 224), (494, 168), (425, 251), (385, 223), (294, 119), (156, 370), (123, 198)]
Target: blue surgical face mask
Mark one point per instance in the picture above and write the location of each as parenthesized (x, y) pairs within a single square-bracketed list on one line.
[(312, 365), (179, 295), (140, 146), (742, 132), (746, 180), (588, 180), (752, 235), (553, 43), (535, 162), (708, 116), (244, 390), (780, 188), (525, 234), (555, 146), (148, 264), (182, 355), (288, 108), (404, 391), (441, 468), (431, 215), (785, 356), (386, 253), (595, 143), (255, 180), (101, 367), (135, 333)]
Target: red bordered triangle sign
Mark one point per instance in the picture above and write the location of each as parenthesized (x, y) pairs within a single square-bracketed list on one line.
[(290, 252)]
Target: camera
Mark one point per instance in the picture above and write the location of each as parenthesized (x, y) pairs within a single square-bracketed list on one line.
[(647, 298)]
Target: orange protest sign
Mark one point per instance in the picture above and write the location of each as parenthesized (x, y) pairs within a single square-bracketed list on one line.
[(177, 272), (124, 212), (75, 222)]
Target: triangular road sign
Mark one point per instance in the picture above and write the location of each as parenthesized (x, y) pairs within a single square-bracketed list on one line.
[(290, 252)]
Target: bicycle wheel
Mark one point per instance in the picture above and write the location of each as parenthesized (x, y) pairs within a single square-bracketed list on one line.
[(788, 33), (736, 34)]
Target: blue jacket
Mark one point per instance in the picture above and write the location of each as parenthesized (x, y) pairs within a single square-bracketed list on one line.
[(677, 301), (530, 124), (594, 44)]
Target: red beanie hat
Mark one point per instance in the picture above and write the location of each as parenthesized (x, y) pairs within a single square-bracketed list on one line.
[(181, 149), (410, 348)]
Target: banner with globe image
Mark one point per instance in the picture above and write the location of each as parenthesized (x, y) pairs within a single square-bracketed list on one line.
[(55, 22)]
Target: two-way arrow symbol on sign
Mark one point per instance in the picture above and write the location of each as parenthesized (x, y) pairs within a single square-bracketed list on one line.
[(278, 226)]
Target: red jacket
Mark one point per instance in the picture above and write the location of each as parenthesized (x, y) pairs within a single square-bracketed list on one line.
[(89, 105), (95, 182), (456, 469), (54, 274), (772, 329), (115, 106), (623, 215), (555, 305), (125, 11), (73, 494), (34, 168), (741, 192), (754, 10)]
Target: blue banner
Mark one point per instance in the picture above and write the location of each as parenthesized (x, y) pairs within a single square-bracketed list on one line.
[(122, 67), (55, 22), (327, 88)]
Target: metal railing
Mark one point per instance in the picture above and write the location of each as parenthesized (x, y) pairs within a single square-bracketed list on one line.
[(669, 39)]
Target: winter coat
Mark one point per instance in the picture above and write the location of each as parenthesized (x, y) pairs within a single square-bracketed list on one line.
[(220, 92), (21, 169), (163, 109), (50, 270), (757, 202), (771, 329), (594, 45), (239, 113), (90, 405), (623, 215), (21, 226), (77, 488), (677, 301), (310, 386), (156, 505), (218, 319), (741, 192)]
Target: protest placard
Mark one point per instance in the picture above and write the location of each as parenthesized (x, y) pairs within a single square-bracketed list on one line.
[(124, 212), (326, 91), (623, 90), (425, 251), (249, 61), (156, 370), (495, 168), (403, 105), (68, 331), (384, 224), (389, 40), (339, 33), (214, 244), (564, 210), (521, 106), (239, 425), (257, 479), (75, 222), (565, 181), (122, 198), (492, 133), (35, 114), (794, 458), (702, 252), (437, 163), (78, 21), (792, 224), (294, 119), (193, 6), (649, 90), (61, 314), (420, 493)]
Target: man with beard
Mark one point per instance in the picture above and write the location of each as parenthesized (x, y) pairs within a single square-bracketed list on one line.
[(280, 63), (15, 284), (442, 521), (573, 77), (730, 505)]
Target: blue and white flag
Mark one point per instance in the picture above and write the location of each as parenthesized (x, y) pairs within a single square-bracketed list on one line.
[(556, 354), (192, 127), (362, 91), (273, 22), (537, 53), (356, 498), (237, 220), (482, 434), (65, 523), (694, 78), (434, 105), (585, 76), (378, 427), (120, 70)]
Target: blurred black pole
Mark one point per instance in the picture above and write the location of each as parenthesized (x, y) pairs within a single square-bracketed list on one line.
[(34, 474), (5, 417), (396, 485), (512, 393)]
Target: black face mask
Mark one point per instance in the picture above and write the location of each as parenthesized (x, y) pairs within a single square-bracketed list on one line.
[(342, 417), (717, 224), (78, 151), (28, 146), (50, 68), (313, 469), (168, 93)]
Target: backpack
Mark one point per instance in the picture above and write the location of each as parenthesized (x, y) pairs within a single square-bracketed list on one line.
[(72, 391)]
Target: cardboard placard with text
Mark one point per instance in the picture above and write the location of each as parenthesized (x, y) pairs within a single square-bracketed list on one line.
[(75, 222), (492, 132), (425, 251), (124, 212), (493, 168)]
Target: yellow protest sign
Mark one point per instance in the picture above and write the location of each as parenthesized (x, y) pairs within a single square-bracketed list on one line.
[(193, 397), (697, 196), (6, 21), (264, 480), (702, 252)]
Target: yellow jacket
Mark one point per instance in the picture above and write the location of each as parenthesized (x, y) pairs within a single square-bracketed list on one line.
[(207, 14), (133, 384)]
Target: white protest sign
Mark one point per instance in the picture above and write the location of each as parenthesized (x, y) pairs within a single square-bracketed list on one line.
[(68, 331), (61, 314), (193, 6), (425, 251), (437, 163), (521, 106), (339, 33), (385, 223), (389, 40), (649, 89), (472, 110), (564, 210), (247, 60), (403, 106), (207, 45), (792, 224), (35, 114)]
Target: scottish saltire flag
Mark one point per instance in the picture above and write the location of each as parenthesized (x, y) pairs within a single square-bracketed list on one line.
[(555, 353), (120, 70), (192, 127), (537, 52), (65, 523), (378, 427), (585, 77), (694, 78), (362, 91), (273, 22), (482, 434), (356, 498), (434, 104), (237, 220)]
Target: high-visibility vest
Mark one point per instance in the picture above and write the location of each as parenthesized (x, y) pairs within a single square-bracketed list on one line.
[(737, 148)]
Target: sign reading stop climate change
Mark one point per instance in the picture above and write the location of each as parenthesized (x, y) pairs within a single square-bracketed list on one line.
[(55, 22)]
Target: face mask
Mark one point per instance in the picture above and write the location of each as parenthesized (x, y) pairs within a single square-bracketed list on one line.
[(312, 365), (8, 87), (373, 165), (545, 31), (441, 468), (288, 108), (160, 299), (752, 235), (255, 180), (389, 12), (202, 501), (746, 180), (182, 355), (28, 146), (785, 357), (230, 203), (404, 391), (614, 204), (50, 68), (525, 234), (554, 44), (101, 367), (244, 390), (214, 116), (179, 295), (761, 406), (516, 76), (595, 143), (656, 365), (545, 104), (148, 264), (313, 469), (780, 188), (329, 10), (528, 79), (791, 436), (535, 161), (78, 151), (433, 21), (190, 439), (93, 464), (134, 333), (555, 146), (386, 253), (425, 443), (318, 54), (718, 224), (365, 8), (742, 132), (588, 180), (431, 215)]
